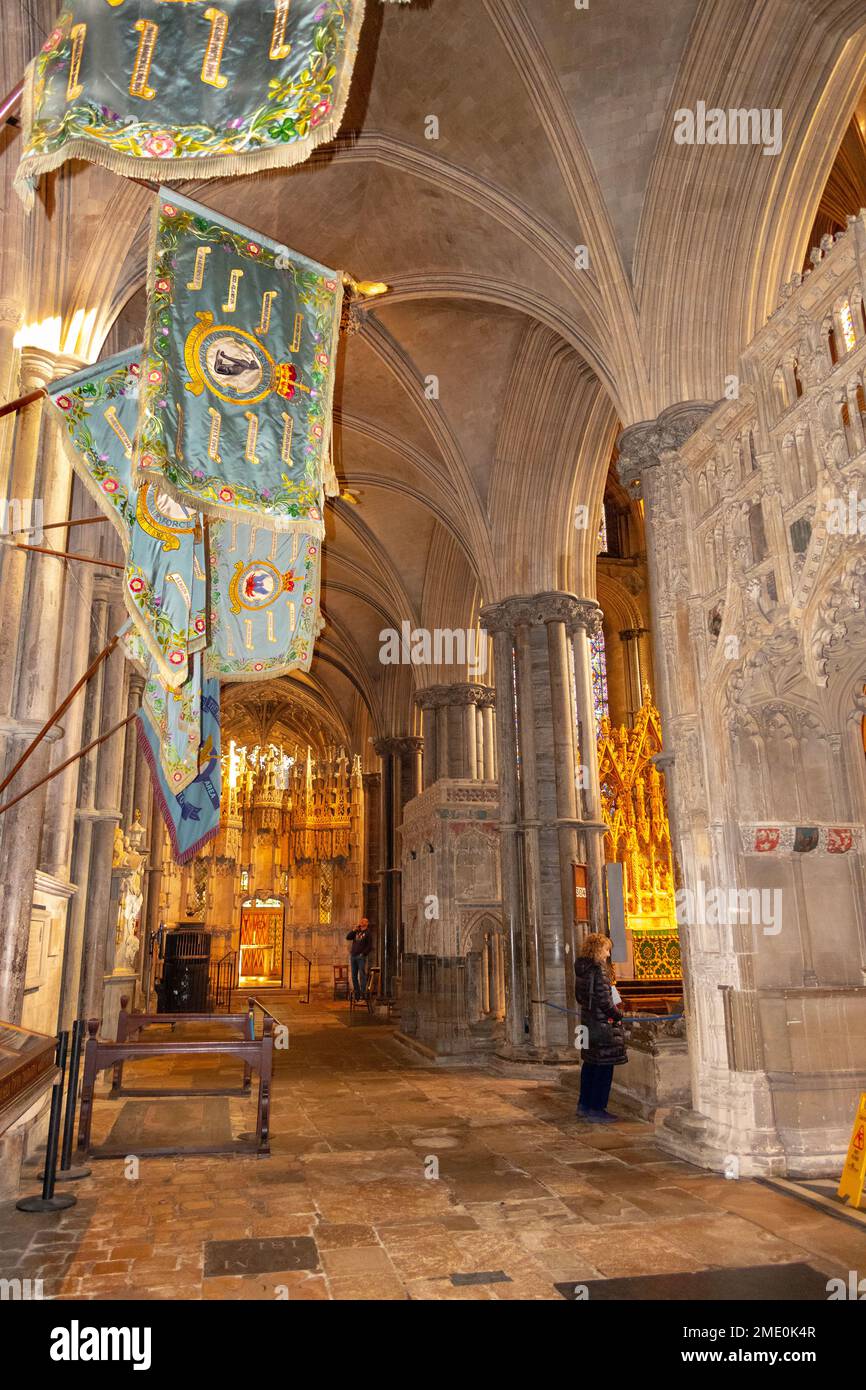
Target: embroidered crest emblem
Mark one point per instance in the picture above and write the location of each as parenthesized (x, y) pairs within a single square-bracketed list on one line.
[(257, 585), (234, 366)]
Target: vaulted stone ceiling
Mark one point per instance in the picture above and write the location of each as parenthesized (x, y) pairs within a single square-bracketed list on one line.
[(555, 131)]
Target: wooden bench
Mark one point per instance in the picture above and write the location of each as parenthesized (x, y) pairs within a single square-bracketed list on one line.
[(256, 1054), (130, 1024)]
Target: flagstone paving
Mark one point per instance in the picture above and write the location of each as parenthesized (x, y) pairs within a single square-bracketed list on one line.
[(391, 1178)]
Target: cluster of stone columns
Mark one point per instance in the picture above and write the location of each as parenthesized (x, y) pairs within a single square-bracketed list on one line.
[(550, 808), (636, 667), (459, 732), (57, 618)]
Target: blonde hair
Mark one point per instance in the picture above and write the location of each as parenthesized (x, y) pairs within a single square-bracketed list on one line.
[(594, 945)]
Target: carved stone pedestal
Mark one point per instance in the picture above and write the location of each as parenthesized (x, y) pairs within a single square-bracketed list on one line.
[(655, 1079), (453, 993)]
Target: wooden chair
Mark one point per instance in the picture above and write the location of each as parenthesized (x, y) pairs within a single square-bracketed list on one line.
[(341, 981)]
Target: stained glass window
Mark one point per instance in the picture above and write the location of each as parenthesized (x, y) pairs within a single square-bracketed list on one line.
[(847, 326), (599, 676)]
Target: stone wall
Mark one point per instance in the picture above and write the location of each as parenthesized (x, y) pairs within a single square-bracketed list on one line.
[(758, 584)]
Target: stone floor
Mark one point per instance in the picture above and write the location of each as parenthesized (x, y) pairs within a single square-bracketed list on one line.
[(349, 1204)]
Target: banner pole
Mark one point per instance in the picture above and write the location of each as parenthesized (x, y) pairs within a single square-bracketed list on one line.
[(60, 710), (21, 401), (55, 772), (56, 526), (10, 103), (68, 555)]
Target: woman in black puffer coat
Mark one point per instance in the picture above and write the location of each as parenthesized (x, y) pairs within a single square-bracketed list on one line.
[(599, 1014)]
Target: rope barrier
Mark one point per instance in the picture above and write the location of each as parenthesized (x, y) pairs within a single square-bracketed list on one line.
[(636, 1018)]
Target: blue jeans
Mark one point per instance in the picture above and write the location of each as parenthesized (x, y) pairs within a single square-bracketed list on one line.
[(359, 975)]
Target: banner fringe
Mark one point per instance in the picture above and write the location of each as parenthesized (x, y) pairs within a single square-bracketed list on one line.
[(180, 857), (223, 512), (282, 156)]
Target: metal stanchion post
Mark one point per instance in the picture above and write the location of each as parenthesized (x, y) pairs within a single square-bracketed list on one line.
[(48, 1201), (67, 1173)]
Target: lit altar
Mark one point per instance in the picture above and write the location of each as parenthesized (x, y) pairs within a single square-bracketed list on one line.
[(285, 871), (634, 807)]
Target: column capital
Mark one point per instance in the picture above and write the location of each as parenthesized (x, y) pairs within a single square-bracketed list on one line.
[(406, 743), (647, 443), (555, 606), (39, 366), (587, 618), (460, 693)]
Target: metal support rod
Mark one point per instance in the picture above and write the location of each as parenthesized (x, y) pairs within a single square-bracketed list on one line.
[(60, 711), (48, 1201), (54, 1121), (67, 1172), (61, 766)]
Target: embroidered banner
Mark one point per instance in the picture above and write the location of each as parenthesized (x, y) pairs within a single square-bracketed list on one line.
[(174, 714), (261, 587), (205, 91), (166, 580), (264, 588), (192, 816), (237, 370), (166, 565), (99, 408)]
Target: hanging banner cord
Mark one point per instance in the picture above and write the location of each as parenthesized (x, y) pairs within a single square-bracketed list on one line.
[(74, 759)]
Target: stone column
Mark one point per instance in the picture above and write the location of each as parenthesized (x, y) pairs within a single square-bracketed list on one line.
[(517, 991), (470, 740), (585, 621), (32, 587), (130, 778), (635, 672), (106, 817), (158, 842), (546, 828), (372, 822), (400, 783), (451, 713), (442, 741), (430, 757), (86, 813), (75, 656), (489, 741)]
